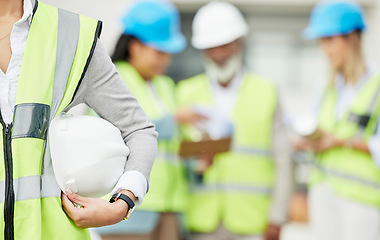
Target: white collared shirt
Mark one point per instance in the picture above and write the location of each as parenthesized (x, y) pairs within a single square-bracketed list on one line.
[(8, 80), (225, 97)]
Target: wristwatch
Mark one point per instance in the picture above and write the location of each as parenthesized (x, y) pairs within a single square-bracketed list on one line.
[(126, 199)]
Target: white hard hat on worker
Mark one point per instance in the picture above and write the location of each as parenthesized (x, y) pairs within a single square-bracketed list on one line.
[(216, 24), (88, 154), (218, 29)]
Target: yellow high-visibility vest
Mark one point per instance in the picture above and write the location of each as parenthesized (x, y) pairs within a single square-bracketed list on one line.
[(236, 188), (57, 53), (349, 172)]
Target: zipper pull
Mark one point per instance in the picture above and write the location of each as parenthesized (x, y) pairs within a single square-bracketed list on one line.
[(8, 128)]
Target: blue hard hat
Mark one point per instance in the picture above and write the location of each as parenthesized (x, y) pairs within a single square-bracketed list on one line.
[(331, 18), (155, 23)]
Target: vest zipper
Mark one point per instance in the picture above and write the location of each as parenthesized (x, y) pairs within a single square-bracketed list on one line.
[(9, 192)]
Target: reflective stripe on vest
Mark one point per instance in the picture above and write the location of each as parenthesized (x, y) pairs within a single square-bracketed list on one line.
[(369, 111), (32, 187), (252, 151), (230, 187), (374, 100), (67, 42), (347, 176)]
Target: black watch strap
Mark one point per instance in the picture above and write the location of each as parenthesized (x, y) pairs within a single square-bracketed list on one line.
[(123, 197)]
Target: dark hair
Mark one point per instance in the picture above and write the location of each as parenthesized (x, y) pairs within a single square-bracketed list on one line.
[(121, 52), (360, 33)]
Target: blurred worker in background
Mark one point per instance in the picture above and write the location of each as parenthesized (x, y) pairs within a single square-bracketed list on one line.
[(344, 196), (243, 193), (151, 33)]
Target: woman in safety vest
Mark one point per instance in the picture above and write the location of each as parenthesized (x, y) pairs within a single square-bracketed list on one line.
[(344, 197), (151, 33), (50, 61)]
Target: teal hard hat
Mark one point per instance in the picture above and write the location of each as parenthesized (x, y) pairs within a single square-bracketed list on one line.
[(155, 23), (332, 18)]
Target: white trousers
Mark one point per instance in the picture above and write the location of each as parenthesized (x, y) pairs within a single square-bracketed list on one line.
[(335, 218), (221, 233)]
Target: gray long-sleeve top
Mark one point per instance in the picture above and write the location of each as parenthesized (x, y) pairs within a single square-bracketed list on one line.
[(103, 91)]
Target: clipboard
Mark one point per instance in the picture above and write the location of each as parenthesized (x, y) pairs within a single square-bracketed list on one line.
[(189, 148)]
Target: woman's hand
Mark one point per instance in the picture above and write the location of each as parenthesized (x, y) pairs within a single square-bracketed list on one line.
[(304, 144), (328, 141), (272, 232), (205, 160), (188, 116), (324, 143), (93, 212)]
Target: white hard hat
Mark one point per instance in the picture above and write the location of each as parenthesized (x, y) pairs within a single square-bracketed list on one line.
[(88, 154), (216, 24)]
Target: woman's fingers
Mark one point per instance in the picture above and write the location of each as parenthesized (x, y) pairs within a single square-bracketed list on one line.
[(79, 200), (68, 206)]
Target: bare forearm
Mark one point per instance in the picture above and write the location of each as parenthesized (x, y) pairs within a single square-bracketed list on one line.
[(357, 144)]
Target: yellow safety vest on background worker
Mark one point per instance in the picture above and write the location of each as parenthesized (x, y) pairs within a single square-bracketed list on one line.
[(51, 71), (349, 172), (236, 188), (167, 190)]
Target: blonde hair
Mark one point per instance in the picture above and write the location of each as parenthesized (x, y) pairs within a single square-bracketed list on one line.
[(354, 66)]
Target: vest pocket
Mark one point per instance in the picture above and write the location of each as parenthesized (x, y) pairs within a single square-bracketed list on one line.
[(31, 120)]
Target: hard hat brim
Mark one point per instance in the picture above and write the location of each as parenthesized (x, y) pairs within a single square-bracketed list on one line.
[(201, 43), (175, 44), (313, 33)]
